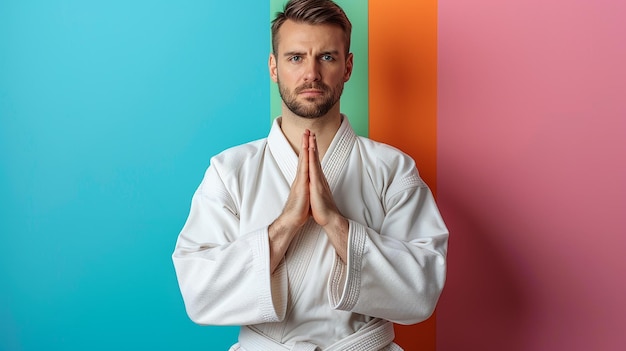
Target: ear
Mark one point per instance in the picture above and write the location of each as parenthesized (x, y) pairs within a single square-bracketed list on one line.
[(349, 65), (272, 64)]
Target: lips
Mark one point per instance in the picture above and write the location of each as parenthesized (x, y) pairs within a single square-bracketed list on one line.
[(311, 90)]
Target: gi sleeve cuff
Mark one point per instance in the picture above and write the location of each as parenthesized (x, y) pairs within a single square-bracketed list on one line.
[(273, 294), (344, 282)]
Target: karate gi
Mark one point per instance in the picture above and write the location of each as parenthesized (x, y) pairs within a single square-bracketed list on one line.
[(396, 248)]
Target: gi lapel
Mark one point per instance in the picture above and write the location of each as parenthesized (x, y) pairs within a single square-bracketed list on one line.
[(282, 153), (338, 152)]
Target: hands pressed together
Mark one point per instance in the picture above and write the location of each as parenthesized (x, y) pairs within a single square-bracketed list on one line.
[(310, 196)]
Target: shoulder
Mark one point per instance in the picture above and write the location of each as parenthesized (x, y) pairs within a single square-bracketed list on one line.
[(384, 155), (388, 166), (236, 157)]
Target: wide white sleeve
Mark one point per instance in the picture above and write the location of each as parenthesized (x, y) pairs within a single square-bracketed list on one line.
[(397, 274), (224, 275)]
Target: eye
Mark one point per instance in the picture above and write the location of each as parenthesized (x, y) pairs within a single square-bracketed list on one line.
[(295, 58), (327, 58)]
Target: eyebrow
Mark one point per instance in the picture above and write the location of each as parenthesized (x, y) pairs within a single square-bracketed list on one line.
[(300, 53), (331, 52), (294, 53)]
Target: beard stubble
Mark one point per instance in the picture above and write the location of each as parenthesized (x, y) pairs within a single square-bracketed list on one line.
[(328, 99)]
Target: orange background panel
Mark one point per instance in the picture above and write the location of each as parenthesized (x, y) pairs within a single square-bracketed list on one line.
[(403, 79), (403, 102)]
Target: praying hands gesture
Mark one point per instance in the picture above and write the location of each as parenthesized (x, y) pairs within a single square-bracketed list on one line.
[(310, 196)]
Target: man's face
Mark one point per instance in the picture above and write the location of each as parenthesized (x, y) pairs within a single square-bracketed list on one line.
[(310, 67)]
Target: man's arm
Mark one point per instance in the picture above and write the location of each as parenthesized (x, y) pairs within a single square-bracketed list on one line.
[(224, 274), (396, 272)]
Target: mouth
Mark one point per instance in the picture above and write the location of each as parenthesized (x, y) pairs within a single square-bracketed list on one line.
[(311, 92), (311, 89)]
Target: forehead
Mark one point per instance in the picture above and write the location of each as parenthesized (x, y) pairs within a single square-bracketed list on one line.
[(303, 36)]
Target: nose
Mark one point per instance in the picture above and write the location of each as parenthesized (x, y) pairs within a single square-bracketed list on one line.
[(312, 71)]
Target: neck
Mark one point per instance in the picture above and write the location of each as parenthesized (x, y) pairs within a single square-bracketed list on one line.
[(324, 127)]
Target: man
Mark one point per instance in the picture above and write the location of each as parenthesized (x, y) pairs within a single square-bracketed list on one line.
[(313, 238)]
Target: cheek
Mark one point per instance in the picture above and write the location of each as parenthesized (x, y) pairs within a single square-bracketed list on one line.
[(338, 74), (288, 74)]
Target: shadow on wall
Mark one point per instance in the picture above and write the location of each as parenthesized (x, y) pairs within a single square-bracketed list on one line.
[(403, 93), (483, 285)]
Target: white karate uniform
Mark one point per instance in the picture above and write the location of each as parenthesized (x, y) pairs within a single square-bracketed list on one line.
[(396, 248)]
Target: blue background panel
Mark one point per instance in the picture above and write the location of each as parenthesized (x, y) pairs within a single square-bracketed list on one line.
[(109, 113)]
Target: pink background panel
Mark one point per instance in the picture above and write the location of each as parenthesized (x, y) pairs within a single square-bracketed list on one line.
[(531, 174)]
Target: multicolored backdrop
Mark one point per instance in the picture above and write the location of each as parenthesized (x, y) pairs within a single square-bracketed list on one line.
[(513, 110)]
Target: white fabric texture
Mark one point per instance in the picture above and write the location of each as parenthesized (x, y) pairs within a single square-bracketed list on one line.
[(377, 334), (396, 255)]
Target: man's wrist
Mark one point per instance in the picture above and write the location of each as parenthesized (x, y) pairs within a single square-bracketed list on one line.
[(282, 227), (337, 225), (337, 230)]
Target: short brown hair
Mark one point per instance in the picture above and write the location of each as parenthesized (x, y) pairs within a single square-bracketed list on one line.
[(312, 12)]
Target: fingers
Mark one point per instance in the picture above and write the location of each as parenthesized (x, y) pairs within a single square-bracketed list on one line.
[(297, 208), (302, 172), (323, 206), (315, 167), (316, 174)]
